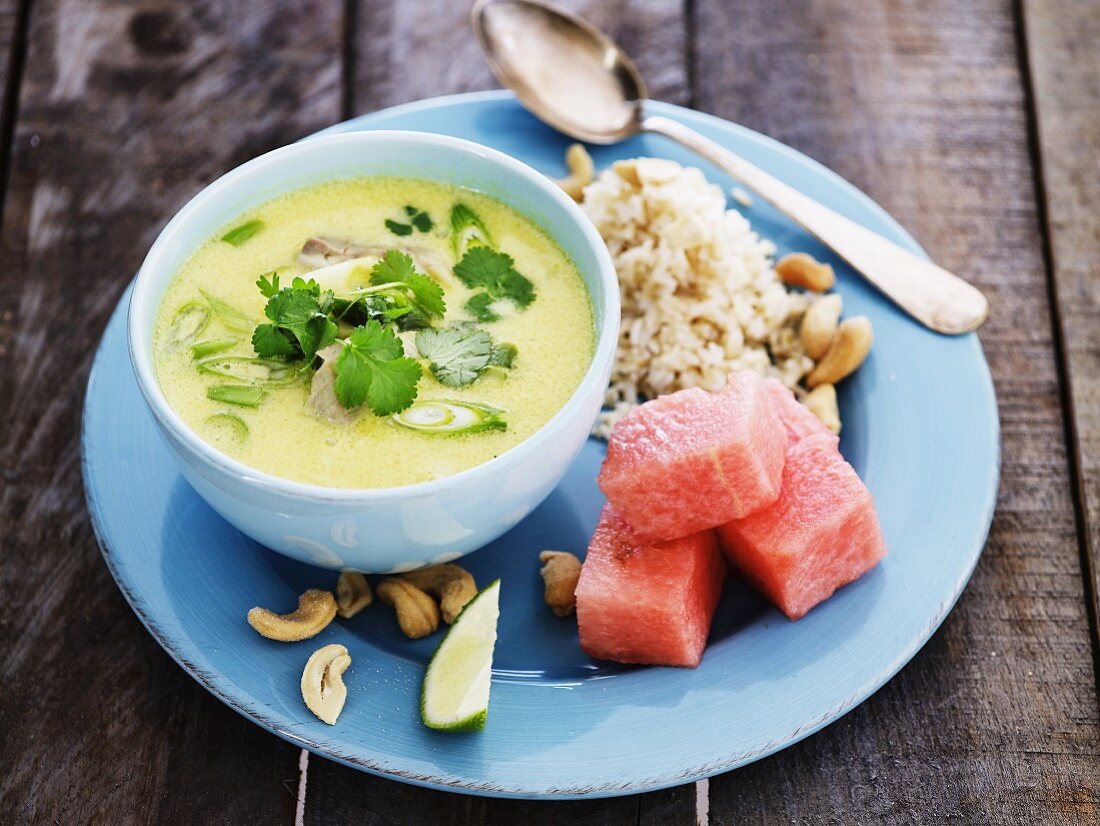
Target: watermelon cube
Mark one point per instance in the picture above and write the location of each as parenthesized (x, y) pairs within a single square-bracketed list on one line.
[(647, 603), (820, 534), (692, 460), (797, 419)]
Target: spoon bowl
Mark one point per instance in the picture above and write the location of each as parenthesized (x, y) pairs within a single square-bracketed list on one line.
[(527, 44)]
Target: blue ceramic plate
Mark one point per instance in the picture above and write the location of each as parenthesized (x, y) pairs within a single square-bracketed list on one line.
[(920, 427)]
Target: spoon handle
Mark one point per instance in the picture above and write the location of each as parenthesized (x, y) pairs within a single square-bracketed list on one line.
[(932, 295)]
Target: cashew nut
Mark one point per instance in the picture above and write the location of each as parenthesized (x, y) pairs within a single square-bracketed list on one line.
[(849, 348), (821, 401), (316, 609), (642, 171), (560, 572), (451, 585), (417, 613), (352, 594), (581, 169), (819, 325), (322, 682), (801, 270)]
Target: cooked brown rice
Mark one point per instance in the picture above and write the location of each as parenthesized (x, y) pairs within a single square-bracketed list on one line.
[(700, 297)]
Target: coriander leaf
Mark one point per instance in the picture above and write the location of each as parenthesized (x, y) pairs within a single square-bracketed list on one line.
[(299, 314), (457, 355), (422, 221), (495, 273), (428, 294), (268, 286), (269, 341), (480, 307), (373, 369), (393, 267), (310, 286), (411, 211), (398, 229), (397, 267), (238, 235)]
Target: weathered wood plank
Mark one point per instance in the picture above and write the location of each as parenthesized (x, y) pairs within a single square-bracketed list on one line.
[(412, 50), (1065, 78), (922, 105), (420, 49), (125, 112)]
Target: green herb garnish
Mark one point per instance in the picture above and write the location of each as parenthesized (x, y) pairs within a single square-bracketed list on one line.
[(448, 417), (396, 268), (397, 228), (231, 318), (373, 369), (245, 395), (495, 275), (238, 235), (248, 370), (503, 355), (457, 355), (300, 324), (233, 422), (189, 320), (467, 230), (211, 346)]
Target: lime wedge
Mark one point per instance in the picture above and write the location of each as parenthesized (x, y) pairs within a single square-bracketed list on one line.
[(455, 696)]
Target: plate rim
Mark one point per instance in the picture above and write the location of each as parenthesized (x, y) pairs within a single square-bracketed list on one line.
[(454, 783)]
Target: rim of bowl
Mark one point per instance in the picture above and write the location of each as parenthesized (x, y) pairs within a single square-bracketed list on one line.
[(140, 345)]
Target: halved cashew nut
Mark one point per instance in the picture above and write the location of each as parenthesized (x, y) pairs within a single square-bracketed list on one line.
[(849, 348), (560, 572), (316, 609), (821, 401), (323, 686), (581, 169), (352, 594), (819, 325), (451, 585), (801, 270), (417, 613)]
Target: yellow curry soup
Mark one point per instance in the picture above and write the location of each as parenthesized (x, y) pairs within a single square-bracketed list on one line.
[(271, 413)]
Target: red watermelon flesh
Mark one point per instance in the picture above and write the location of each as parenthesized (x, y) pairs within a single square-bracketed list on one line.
[(647, 604), (820, 534), (797, 419), (692, 460)]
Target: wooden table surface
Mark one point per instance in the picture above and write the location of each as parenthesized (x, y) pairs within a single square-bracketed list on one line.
[(977, 124)]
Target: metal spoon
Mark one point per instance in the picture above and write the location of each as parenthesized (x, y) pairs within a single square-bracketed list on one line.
[(571, 75)]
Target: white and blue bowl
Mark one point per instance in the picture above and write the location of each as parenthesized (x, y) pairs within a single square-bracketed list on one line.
[(380, 529)]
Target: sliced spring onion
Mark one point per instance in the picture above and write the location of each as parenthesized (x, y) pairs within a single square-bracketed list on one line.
[(446, 416), (210, 347), (231, 318), (190, 320), (249, 370), (235, 424), (238, 235), (467, 230), (244, 395)]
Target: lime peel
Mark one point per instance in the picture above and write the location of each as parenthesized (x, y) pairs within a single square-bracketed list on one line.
[(455, 694)]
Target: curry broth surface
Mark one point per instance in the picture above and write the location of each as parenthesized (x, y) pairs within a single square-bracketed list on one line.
[(554, 336)]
